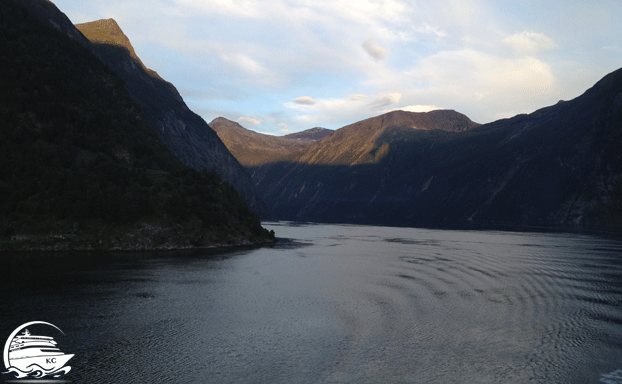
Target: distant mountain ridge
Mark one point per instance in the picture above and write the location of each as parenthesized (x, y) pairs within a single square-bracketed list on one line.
[(252, 148), (559, 167), (184, 132), (360, 142)]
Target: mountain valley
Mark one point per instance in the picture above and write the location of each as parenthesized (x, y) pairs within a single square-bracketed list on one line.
[(112, 133), (252, 148), (559, 167)]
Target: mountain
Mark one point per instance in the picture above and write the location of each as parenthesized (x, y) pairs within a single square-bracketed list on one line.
[(559, 167), (361, 142), (184, 132), (310, 135), (79, 166), (252, 148), (47, 12)]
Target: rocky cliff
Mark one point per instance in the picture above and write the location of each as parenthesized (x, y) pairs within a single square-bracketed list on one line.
[(185, 133)]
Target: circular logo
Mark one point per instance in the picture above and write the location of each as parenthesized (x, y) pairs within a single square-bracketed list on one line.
[(28, 355)]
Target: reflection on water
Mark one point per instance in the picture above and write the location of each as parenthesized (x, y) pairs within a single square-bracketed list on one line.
[(335, 304)]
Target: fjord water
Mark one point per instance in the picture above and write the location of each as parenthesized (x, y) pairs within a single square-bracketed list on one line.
[(335, 304)]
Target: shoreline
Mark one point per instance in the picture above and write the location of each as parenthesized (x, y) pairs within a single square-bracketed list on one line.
[(64, 248), (141, 237)]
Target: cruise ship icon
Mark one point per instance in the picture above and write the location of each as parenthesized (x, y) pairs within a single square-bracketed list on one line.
[(29, 351)]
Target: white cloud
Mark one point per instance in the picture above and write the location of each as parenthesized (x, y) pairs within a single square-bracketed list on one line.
[(306, 100), (375, 16), (374, 50), (236, 8), (482, 73), (529, 42), (484, 84), (243, 62), (419, 108), (432, 30), (265, 132), (357, 97), (462, 55), (328, 111), (386, 100), (249, 120), (317, 105), (306, 118), (286, 131)]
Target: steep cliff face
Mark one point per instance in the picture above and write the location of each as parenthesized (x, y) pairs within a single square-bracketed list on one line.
[(185, 133), (563, 163), (80, 168), (560, 166)]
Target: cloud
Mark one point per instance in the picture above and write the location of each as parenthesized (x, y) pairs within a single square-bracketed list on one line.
[(339, 111), (266, 133), (426, 28), (420, 108), (198, 94), (357, 97), (529, 42), (249, 120), (329, 111), (305, 118), (305, 100), (485, 84), (243, 62), (319, 106), (242, 8), (286, 131), (375, 51), (386, 100), (482, 72)]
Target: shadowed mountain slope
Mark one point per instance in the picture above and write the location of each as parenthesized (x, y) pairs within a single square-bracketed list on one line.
[(252, 148), (80, 168), (560, 166), (184, 132), (47, 12)]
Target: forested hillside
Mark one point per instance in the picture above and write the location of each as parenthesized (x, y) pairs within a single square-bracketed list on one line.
[(79, 167), (559, 167)]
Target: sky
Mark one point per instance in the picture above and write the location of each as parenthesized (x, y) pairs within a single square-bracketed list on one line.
[(281, 66)]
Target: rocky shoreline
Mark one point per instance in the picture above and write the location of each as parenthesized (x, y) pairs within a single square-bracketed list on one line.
[(140, 237)]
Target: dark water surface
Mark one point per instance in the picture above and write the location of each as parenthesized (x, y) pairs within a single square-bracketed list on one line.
[(334, 304)]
